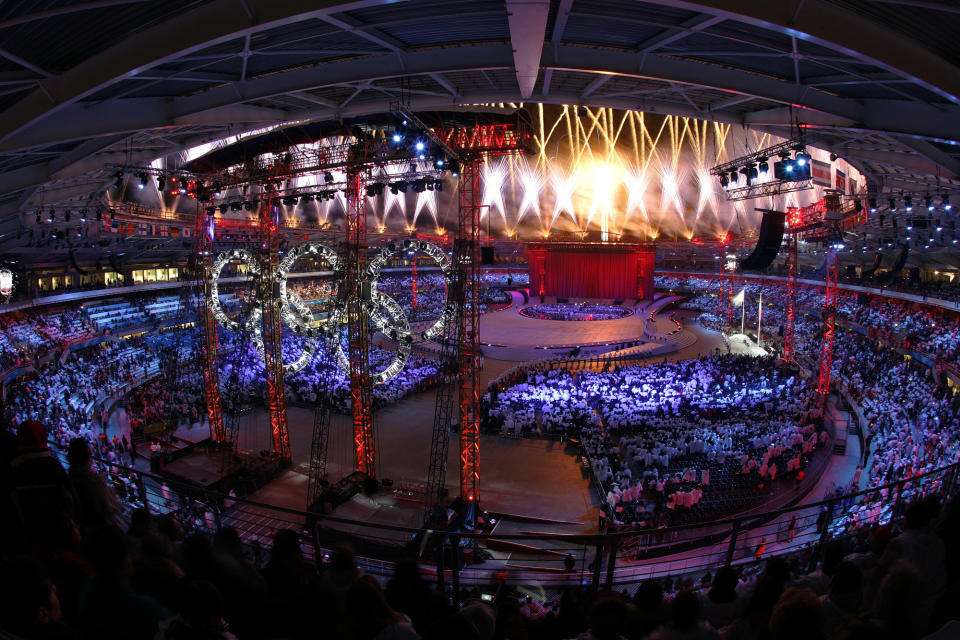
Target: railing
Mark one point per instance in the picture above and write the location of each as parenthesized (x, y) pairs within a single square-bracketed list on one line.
[(614, 559)]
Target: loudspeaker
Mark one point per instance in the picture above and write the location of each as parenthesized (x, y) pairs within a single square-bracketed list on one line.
[(873, 268), (768, 243), (486, 255), (889, 276)]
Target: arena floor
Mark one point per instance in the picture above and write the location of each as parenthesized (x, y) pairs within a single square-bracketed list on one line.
[(536, 478), (530, 477)]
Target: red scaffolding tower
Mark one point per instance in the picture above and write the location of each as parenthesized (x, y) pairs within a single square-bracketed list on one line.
[(789, 330), (469, 263), (358, 332), (833, 218), (271, 327), (203, 237)]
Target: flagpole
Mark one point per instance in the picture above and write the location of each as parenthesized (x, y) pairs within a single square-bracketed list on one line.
[(743, 313), (759, 317)]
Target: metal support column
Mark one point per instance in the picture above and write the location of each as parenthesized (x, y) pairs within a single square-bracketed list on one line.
[(447, 393), (469, 230), (318, 452), (271, 327), (829, 324), (413, 268), (358, 297), (788, 331), (203, 236)]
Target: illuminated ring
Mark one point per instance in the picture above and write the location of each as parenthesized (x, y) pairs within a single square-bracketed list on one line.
[(293, 312), (443, 261), (253, 317), (400, 335)]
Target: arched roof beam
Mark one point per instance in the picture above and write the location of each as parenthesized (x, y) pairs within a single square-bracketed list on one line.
[(840, 29)]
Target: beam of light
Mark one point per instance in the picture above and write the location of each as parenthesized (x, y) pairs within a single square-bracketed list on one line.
[(637, 182), (564, 186), (605, 180), (531, 182), (494, 176), (426, 200)]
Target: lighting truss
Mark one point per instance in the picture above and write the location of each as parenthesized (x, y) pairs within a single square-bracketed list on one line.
[(772, 188)]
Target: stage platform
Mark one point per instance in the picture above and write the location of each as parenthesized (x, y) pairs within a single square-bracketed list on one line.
[(509, 335)]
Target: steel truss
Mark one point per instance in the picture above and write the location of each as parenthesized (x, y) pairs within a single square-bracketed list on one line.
[(788, 331), (447, 393), (271, 327), (832, 214), (358, 332), (318, 453), (208, 325), (469, 263)]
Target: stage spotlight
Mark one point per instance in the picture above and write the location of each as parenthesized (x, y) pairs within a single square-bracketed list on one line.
[(143, 180), (438, 185), (454, 168), (833, 157), (394, 189), (724, 180), (402, 186), (371, 191), (304, 199), (420, 146), (224, 207), (752, 173), (908, 203), (328, 177), (873, 205), (438, 162), (763, 168), (217, 189), (249, 205), (802, 159), (928, 200), (893, 204), (118, 179), (419, 186), (397, 138), (161, 183), (946, 202), (734, 177)]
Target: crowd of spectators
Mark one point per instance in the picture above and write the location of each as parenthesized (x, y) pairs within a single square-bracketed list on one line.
[(71, 568), (661, 438), (573, 312)]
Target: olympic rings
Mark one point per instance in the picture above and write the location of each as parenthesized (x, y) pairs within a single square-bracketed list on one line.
[(253, 318), (385, 314)]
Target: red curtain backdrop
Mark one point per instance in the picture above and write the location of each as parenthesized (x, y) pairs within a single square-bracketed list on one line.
[(645, 273), (535, 264), (591, 275)]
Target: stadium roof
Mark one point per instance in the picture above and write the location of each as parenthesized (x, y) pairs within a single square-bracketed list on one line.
[(87, 83)]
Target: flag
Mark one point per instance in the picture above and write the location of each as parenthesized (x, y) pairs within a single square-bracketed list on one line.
[(840, 183), (738, 299), (820, 171)]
